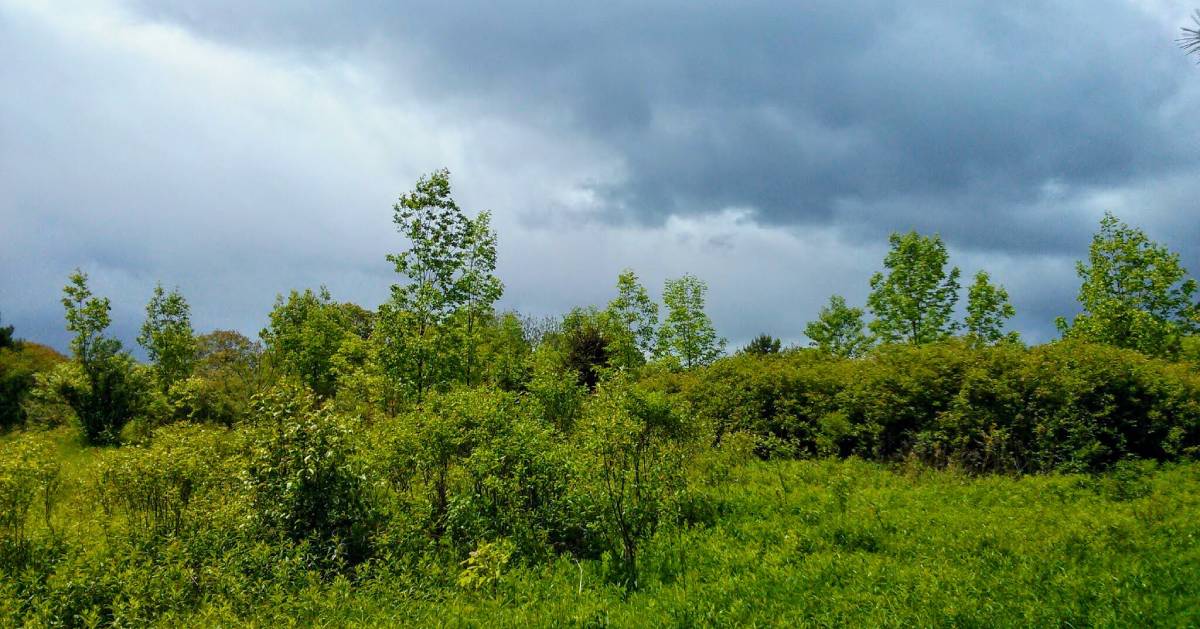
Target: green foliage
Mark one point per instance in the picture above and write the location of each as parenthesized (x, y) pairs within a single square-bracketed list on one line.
[(987, 310), (839, 330), (430, 323), (306, 331), (304, 480), (29, 478), (637, 313), (1135, 294), (228, 372), (637, 442), (168, 338), (762, 345), (913, 302), (687, 335), (6, 337), (19, 368), (483, 569), (114, 390)]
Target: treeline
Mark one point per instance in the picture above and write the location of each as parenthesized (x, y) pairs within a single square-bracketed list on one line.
[(436, 436)]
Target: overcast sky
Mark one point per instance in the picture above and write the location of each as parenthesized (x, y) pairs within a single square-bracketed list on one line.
[(239, 150)]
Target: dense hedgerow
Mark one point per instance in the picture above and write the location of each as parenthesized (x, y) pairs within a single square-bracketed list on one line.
[(1067, 406)]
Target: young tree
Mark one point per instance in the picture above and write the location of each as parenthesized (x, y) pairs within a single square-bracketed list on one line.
[(449, 268), (634, 309), (687, 334), (1135, 293), (113, 393), (987, 310), (305, 332), (478, 287), (914, 301), (168, 338), (839, 330), (762, 345)]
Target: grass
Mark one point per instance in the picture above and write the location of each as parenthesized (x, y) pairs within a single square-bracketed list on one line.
[(832, 543), (778, 543)]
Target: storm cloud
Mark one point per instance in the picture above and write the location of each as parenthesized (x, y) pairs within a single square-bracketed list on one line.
[(242, 149)]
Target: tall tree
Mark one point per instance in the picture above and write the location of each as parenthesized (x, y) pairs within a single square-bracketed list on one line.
[(168, 337), (988, 309), (914, 300), (839, 330), (1135, 293), (429, 326), (635, 311), (687, 334), (478, 287)]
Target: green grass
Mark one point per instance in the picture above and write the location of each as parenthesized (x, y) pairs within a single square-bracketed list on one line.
[(830, 543), (780, 543)]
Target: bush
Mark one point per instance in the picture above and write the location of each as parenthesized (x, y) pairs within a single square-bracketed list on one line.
[(19, 366), (306, 483), (113, 391), (28, 478)]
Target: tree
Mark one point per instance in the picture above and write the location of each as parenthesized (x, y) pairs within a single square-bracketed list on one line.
[(987, 310), (687, 334), (448, 267), (914, 301), (839, 330), (478, 286), (1135, 293), (305, 332), (168, 338), (113, 391), (634, 309), (762, 345)]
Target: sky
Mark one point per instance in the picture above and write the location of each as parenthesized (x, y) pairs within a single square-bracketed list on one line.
[(241, 150)]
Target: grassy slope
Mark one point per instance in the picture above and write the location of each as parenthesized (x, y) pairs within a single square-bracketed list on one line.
[(837, 543)]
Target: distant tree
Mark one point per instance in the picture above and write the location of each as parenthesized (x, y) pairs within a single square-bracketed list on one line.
[(304, 333), (987, 310), (478, 286), (762, 345), (914, 300), (1135, 293), (88, 317), (839, 330), (6, 336), (168, 338), (634, 309), (687, 334), (587, 340)]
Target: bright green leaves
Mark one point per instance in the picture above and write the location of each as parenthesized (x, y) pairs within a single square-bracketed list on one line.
[(1135, 293), (431, 325), (987, 310), (168, 338), (838, 330), (687, 335), (914, 300)]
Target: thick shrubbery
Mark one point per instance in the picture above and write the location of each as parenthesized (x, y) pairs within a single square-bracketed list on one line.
[(1062, 406)]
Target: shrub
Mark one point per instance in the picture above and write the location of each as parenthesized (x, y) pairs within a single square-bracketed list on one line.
[(305, 482), (28, 477)]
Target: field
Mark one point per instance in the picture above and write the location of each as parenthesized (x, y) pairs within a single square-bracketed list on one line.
[(781, 543)]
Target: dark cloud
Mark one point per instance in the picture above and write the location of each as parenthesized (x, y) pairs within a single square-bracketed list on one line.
[(243, 149), (796, 109)]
